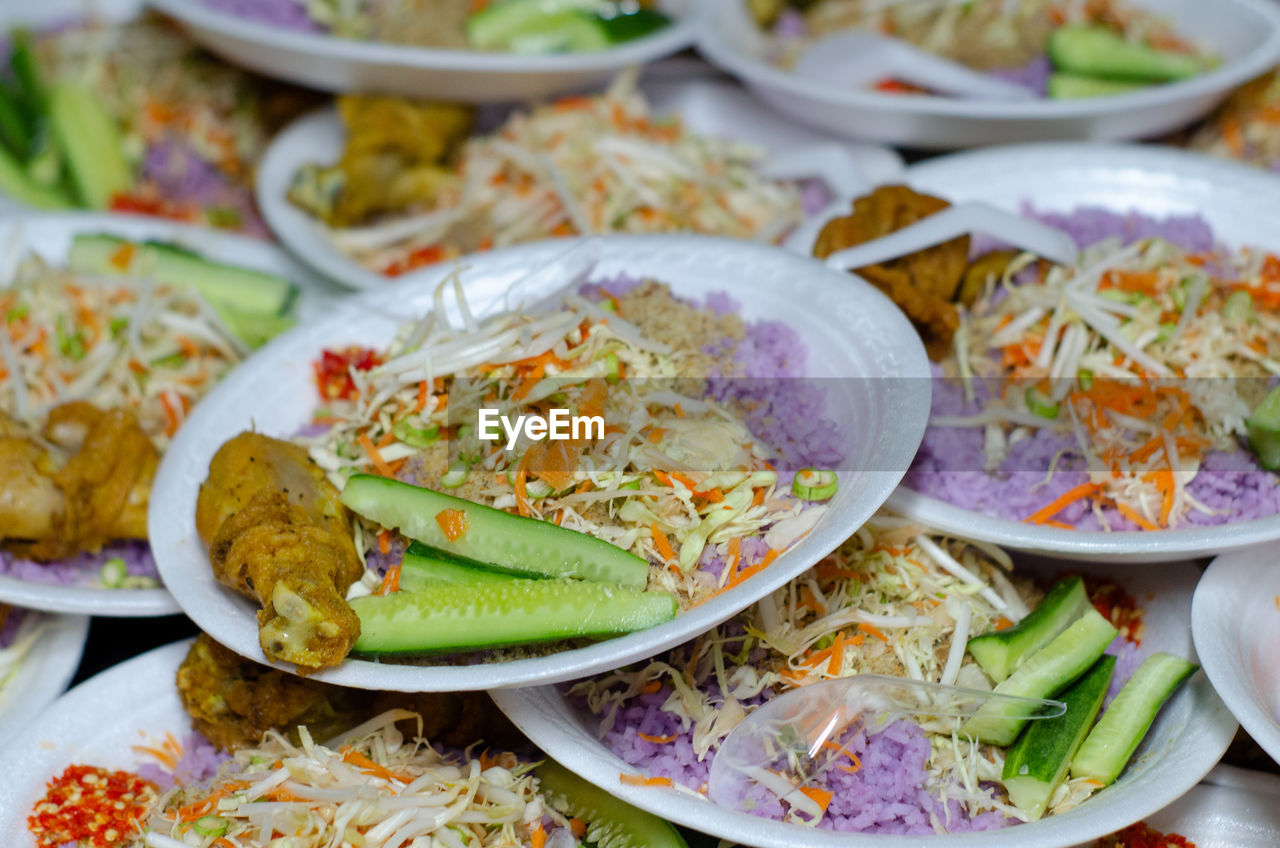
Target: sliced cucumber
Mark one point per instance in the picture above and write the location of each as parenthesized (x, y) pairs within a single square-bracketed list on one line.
[(90, 143), (500, 22), (422, 566), (1076, 87), (1108, 748), (446, 619), (610, 823), (1038, 762), (492, 536), (1001, 653), (18, 184), (244, 290), (568, 32), (1098, 51), (1045, 673), (1264, 431)]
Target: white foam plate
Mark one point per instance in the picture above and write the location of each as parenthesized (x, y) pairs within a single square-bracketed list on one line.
[(96, 723), (1245, 33), (319, 60), (45, 671), (51, 236), (707, 105), (858, 334), (1236, 623), (1188, 738), (1236, 200)]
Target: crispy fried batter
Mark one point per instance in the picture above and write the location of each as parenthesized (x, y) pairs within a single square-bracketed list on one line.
[(233, 701), (278, 533), (924, 284), (86, 484)]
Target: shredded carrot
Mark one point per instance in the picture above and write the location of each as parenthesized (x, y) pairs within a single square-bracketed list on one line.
[(836, 665), (1060, 503), (758, 498), (872, 631), (166, 758), (453, 522), (390, 580), (1133, 516), (639, 780), (662, 544), (1003, 623), (655, 435), (371, 450), (855, 763), (657, 740), (384, 542), (360, 761), (171, 417), (578, 827), (122, 257), (651, 687), (539, 838), (819, 796)]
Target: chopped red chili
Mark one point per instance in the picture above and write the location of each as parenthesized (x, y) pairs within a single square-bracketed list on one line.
[(333, 371), (92, 806), (1140, 836)]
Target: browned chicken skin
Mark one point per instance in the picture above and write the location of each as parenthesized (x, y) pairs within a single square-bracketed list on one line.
[(83, 483), (277, 532), (233, 701)]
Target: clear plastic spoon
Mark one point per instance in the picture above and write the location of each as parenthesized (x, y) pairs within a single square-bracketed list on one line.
[(791, 741), (859, 59), (957, 220)]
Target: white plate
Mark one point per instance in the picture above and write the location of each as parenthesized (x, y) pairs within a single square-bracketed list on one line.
[(96, 723), (45, 671), (322, 61), (1213, 816), (1246, 33), (1236, 623), (51, 236), (1237, 201), (708, 106), (859, 334), (1187, 739)]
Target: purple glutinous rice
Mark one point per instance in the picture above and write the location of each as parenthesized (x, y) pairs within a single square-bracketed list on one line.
[(200, 762), (83, 569), (183, 176), (1034, 75), (285, 14), (950, 463)]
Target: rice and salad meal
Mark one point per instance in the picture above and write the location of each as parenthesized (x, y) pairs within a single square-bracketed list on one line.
[(529, 27), (374, 779), (711, 458), (581, 165), (900, 600), (134, 118), (1059, 49), (101, 360), (1135, 391)]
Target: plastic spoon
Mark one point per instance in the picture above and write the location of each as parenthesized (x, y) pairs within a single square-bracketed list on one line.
[(789, 742), (837, 166), (957, 220), (860, 59)]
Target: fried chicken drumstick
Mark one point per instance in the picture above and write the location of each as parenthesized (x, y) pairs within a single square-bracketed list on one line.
[(233, 701), (84, 481), (278, 533)]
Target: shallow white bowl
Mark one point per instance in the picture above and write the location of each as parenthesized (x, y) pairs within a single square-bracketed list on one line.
[(328, 63), (709, 106), (44, 673), (1188, 738), (96, 723), (1236, 623), (1237, 201), (859, 334), (50, 235), (1246, 33)]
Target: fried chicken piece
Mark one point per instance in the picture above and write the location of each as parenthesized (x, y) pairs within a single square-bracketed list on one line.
[(278, 533), (88, 483), (923, 284), (233, 701)]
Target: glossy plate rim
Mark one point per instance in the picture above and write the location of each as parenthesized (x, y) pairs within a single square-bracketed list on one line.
[(45, 671), (229, 618), (543, 715), (1178, 180), (713, 43), (1224, 603), (60, 227)]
